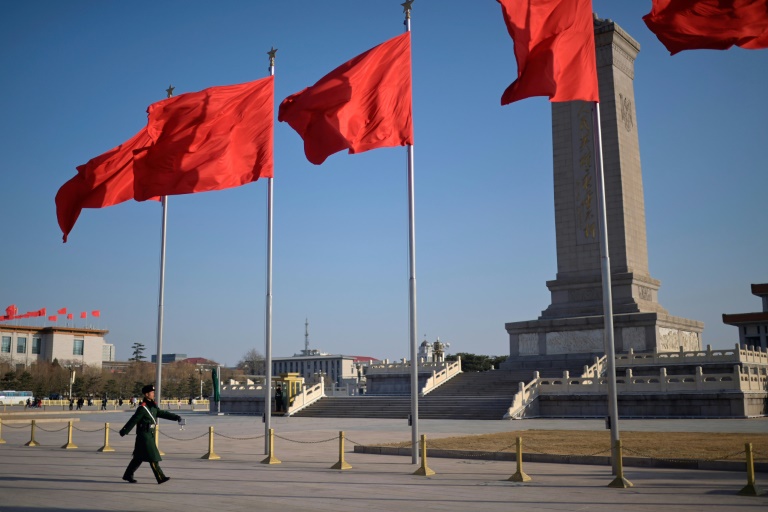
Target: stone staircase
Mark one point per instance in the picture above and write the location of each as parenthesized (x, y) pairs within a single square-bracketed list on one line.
[(479, 396)]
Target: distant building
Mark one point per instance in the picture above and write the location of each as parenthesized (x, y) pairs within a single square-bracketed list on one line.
[(753, 327), (23, 345), (337, 370), (170, 358)]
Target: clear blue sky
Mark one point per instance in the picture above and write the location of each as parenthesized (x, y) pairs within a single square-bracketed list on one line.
[(76, 78)]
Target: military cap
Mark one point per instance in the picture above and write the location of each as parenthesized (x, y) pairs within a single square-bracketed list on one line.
[(146, 389)]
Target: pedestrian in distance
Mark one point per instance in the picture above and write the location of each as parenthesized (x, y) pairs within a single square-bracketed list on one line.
[(145, 450), (279, 399)]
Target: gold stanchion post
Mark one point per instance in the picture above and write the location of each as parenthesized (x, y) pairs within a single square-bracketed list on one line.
[(620, 481), (70, 445), (32, 441), (2, 441), (342, 464), (519, 475), (424, 469), (271, 459), (750, 489), (211, 455), (106, 447)]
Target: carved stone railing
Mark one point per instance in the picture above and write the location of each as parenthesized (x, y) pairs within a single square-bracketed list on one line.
[(307, 397), (441, 376), (737, 354), (405, 367), (744, 378)]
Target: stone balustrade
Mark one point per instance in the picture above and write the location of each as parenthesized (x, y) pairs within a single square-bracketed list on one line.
[(440, 377), (737, 354), (405, 367), (307, 397)]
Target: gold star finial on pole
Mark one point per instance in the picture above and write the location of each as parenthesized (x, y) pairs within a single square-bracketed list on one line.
[(271, 54), (407, 8), (169, 90)]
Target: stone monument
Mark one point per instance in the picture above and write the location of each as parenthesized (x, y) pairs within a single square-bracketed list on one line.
[(571, 328)]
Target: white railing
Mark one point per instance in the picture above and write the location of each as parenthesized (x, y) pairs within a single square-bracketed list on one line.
[(525, 395), (750, 375), (405, 367), (742, 378), (737, 354), (440, 377), (307, 397)]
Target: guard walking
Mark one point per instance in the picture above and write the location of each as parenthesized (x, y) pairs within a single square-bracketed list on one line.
[(145, 450)]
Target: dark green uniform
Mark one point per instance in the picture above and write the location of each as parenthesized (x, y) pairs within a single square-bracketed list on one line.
[(145, 449)]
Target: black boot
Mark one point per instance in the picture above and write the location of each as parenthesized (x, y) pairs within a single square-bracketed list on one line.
[(161, 478), (130, 470)]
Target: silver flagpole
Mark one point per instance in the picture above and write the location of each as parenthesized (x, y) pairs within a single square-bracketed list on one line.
[(268, 321), (159, 371), (412, 286), (610, 351)]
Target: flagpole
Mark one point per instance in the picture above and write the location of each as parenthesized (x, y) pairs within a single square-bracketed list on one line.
[(268, 321), (159, 370), (605, 260), (412, 284)]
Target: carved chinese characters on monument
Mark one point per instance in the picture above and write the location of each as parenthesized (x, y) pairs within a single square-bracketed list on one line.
[(584, 174)]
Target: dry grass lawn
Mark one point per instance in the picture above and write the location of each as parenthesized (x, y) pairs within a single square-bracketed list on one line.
[(657, 445)]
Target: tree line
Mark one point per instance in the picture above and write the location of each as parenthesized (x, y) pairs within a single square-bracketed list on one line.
[(46, 379)]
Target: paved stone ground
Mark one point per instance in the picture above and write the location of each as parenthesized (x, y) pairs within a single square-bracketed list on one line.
[(46, 477)]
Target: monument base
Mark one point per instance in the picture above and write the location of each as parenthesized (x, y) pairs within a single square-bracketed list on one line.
[(583, 336)]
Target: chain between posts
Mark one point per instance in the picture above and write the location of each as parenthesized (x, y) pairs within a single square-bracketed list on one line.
[(464, 453), (335, 438), (45, 430)]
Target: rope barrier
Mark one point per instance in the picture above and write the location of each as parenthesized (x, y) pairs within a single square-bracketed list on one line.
[(663, 459), (239, 438)]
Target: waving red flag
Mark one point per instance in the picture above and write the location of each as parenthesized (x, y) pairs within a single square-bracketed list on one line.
[(105, 180), (709, 24), (554, 48), (218, 138), (70, 316), (11, 310), (361, 105), (96, 313), (53, 318), (62, 311), (84, 315)]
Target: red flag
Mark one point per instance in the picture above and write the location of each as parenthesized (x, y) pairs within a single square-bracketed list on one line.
[(554, 48), (83, 315), (4, 318), (363, 104), (709, 24), (105, 180), (11, 310), (53, 318), (41, 312), (218, 138), (70, 316), (62, 311), (96, 313)]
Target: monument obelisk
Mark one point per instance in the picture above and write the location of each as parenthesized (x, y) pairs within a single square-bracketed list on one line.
[(571, 328)]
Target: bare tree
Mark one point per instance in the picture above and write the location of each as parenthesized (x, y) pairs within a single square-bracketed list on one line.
[(252, 363)]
